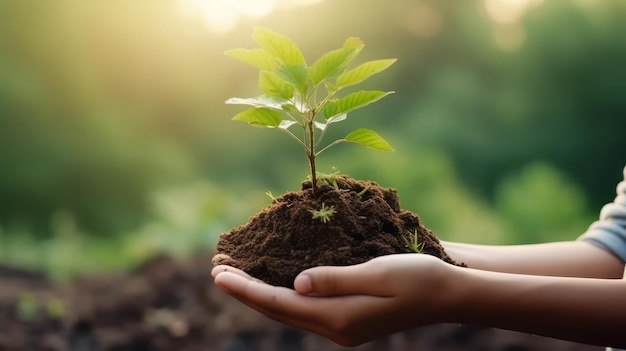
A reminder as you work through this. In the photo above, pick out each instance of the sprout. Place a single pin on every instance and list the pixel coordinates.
(296, 95)
(412, 242)
(324, 213)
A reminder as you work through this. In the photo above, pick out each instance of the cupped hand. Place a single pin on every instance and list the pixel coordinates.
(351, 305)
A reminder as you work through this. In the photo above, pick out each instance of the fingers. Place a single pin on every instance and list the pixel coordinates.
(327, 281)
(282, 304)
(338, 318)
(362, 279)
(223, 268)
(255, 292)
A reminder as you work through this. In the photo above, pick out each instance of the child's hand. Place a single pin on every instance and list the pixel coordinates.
(353, 304)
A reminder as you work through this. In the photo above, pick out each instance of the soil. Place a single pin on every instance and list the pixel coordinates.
(284, 239)
(171, 304)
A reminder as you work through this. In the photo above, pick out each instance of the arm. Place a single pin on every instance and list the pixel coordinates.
(583, 310)
(599, 253)
(567, 259)
(355, 304)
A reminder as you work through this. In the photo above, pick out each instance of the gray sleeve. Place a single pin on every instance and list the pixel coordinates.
(609, 232)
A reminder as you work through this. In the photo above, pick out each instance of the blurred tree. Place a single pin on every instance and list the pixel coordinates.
(69, 141)
(101, 103)
(542, 205)
(496, 100)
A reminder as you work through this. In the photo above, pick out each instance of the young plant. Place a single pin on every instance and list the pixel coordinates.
(412, 242)
(324, 213)
(306, 97)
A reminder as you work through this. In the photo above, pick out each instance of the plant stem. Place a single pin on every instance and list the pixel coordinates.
(311, 153)
(330, 145)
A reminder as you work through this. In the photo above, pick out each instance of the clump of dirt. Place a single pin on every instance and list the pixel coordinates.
(284, 239)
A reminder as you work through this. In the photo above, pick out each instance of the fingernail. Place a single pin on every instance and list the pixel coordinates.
(303, 284)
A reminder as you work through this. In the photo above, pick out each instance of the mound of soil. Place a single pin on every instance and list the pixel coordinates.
(284, 239)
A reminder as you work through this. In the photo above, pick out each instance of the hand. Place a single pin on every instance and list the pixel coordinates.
(351, 305)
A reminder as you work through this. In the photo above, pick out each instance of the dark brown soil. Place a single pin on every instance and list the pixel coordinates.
(284, 239)
(172, 304)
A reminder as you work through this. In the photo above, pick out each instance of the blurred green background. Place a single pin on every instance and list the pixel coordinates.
(115, 143)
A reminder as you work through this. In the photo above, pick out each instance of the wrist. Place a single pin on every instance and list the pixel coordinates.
(472, 255)
(456, 299)
(449, 296)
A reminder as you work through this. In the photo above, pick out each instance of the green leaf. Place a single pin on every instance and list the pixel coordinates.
(285, 124)
(273, 85)
(362, 72)
(260, 117)
(319, 125)
(338, 118)
(352, 102)
(291, 64)
(270, 102)
(335, 62)
(369, 138)
(329, 65)
(258, 58)
(296, 75)
(278, 45)
(354, 43)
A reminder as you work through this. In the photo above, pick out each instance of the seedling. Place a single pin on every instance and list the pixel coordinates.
(362, 192)
(293, 93)
(412, 242)
(55, 308)
(27, 306)
(270, 195)
(324, 213)
(329, 178)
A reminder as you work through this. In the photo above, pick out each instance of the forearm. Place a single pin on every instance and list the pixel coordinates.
(577, 309)
(572, 259)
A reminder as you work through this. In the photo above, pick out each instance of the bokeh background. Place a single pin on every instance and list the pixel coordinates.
(508, 120)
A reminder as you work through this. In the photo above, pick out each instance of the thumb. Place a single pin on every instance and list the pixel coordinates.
(337, 281)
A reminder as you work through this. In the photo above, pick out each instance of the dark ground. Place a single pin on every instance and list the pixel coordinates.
(170, 304)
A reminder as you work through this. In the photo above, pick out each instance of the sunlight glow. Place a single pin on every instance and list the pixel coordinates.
(424, 21)
(510, 37)
(221, 16)
(509, 32)
(509, 11)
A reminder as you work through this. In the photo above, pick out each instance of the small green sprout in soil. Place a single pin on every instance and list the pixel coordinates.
(362, 192)
(412, 242)
(306, 96)
(27, 306)
(55, 308)
(270, 195)
(329, 178)
(324, 213)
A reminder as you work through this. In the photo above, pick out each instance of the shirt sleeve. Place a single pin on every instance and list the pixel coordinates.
(609, 232)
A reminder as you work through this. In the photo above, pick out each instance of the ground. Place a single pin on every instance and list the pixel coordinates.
(172, 304)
